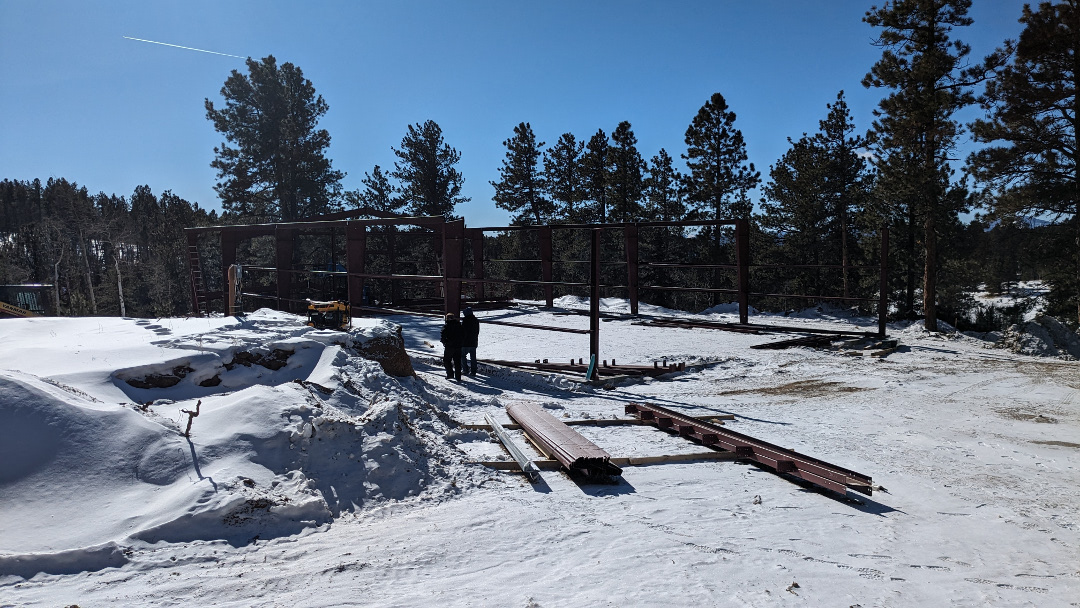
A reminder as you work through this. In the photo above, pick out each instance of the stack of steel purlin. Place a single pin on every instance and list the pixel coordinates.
(558, 441)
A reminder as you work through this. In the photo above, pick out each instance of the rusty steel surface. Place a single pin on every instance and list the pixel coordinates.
(781, 460)
(558, 441)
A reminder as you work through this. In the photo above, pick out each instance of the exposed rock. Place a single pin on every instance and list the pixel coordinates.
(389, 351)
(214, 381)
(161, 380)
(275, 360)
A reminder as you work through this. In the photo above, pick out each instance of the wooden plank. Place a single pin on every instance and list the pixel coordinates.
(510, 465)
(647, 460)
(550, 464)
(598, 422)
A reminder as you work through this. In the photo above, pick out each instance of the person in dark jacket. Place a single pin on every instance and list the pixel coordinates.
(451, 341)
(470, 328)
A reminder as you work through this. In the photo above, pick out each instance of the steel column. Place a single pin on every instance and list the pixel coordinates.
(594, 296)
(631, 234)
(453, 253)
(545, 263)
(285, 239)
(742, 260)
(355, 254)
(883, 296)
(477, 238)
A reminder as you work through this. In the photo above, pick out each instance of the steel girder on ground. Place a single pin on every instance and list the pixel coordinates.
(781, 460)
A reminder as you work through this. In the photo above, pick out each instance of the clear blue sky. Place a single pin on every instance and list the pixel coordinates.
(79, 101)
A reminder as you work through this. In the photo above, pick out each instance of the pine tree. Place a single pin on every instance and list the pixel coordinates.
(520, 189)
(564, 177)
(664, 202)
(814, 191)
(1032, 166)
(273, 163)
(430, 185)
(923, 68)
(663, 196)
(625, 179)
(378, 193)
(595, 163)
(719, 177)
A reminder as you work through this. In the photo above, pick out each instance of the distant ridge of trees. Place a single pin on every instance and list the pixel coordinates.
(105, 254)
(824, 200)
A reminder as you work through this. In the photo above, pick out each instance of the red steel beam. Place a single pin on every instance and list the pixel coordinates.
(558, 441)
(781, 460)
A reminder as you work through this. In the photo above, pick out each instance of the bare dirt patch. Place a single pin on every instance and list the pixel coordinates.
(814, 387)
(1026, 415)
(1064, 444)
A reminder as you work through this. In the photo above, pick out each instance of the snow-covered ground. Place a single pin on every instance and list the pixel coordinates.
(1032, 293)
(326, 482)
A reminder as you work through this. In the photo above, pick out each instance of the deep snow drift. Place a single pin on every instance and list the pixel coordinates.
(314, 478)
(279, 445)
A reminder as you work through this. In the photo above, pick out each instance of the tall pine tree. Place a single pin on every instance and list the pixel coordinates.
(624, 179)
(719, 176)
(915, 129)
(379, 194)
(662, 190)
(1032, 165)
(430, 184)
(595, 163)
(816, 188)
(564, 177)
(520, 189)
(273, 165)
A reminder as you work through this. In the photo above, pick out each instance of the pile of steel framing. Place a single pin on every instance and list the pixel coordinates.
(563, 446)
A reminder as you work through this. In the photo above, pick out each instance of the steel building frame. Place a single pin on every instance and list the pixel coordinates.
(449, 243)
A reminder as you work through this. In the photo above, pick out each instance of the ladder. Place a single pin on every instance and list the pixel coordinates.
(198, 284)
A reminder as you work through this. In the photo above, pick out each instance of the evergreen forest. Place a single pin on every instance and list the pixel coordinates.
(1008, 212)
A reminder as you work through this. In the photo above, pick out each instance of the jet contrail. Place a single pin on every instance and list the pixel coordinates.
(184, 47)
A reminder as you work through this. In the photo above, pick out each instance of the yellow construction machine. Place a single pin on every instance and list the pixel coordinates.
(329, 315)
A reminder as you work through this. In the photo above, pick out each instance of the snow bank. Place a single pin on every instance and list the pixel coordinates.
(1044, 336)
(295, 425)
